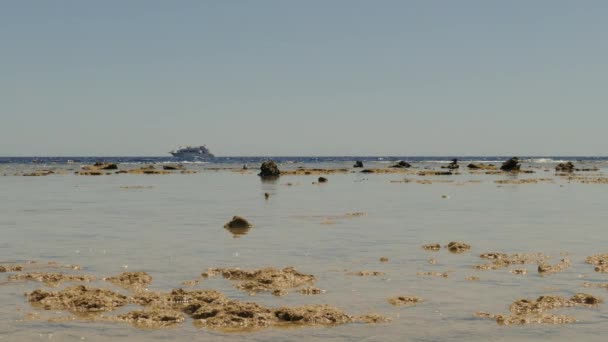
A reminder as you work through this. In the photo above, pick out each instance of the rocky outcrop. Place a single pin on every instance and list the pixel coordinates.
(402, 165)
(358, 163)
(511, 165)
(269, 169)
(565, 167)
(238, 222)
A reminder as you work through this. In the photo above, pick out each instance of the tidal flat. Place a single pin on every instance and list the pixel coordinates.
(378, 253)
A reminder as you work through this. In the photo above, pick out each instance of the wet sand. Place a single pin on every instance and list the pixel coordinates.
(495, 239)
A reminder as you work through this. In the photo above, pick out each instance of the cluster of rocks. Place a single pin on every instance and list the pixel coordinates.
(526, 311)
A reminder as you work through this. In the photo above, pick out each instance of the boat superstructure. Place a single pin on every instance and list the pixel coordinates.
(192, 152)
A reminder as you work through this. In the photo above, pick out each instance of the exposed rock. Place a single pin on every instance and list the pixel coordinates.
(266, 195)
(174, 167)
(545, 269)
(51, 279)
(525, 311)
(404, 300)
(38, 173)
(269, 169)
(480, 166)
(565, 167)
(383, 259)
(432, 247)
(266, 279)
(402, 165)
(238, 222)
(77, 299)
(585, 299)
(511, 165)
(231, 315)
(600, 261)
(313, 314)
(458, 247)
(358, 163)
(322, 180)
(452, 166)
(434, 173)
(131, 279)
(502, 260)
(105, 166)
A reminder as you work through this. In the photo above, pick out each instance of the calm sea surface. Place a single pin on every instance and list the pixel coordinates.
(172, 228)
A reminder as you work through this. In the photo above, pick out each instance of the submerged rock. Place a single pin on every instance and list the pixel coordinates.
(269, 169)
(373, 318)
(131, 279)
(511, 165)
(358, 163)
(51, 279)
(153, 318)
(432, 247)
(404, 300)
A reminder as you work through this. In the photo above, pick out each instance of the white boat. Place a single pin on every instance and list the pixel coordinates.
(192, 152)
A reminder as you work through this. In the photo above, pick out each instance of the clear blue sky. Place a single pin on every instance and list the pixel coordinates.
(310, 77)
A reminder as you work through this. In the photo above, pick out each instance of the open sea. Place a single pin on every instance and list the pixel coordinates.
(172, 227)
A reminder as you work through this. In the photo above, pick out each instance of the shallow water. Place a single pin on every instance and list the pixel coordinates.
(174, 231)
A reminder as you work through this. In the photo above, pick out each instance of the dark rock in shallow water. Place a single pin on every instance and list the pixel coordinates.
(402, 164)
(269, 169)
(238, 222)
(322, 180)
(173, 167)
(565, 167)
(511, 165)
(358, 163)
(106, 166)
(452, 166)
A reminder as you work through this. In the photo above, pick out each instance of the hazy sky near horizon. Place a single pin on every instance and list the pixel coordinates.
(314, 77)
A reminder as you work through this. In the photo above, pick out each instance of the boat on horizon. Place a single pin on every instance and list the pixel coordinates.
(192, 153)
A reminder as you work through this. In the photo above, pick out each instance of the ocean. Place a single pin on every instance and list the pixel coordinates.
(172, 227)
